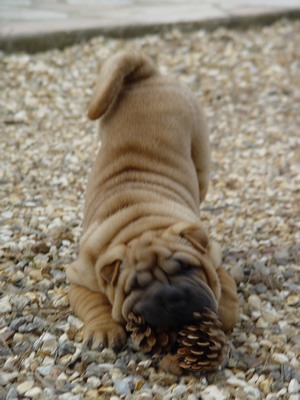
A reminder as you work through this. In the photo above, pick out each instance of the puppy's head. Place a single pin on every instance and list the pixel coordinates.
(165, 277)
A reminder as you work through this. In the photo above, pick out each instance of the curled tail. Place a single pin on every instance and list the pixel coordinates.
(118, 70)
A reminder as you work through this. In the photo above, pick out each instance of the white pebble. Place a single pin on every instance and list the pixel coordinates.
(34, 393)
(261, 323)
(7, 214)
(144, 396)
(192, 397)
(237, 273)
(44, 370)
(294, 396)
(73, 321)
(70, 396)
(294, 386)
(18, 276)
(281, 392)
(24, 387)
(179, 390)
(213, 392)
(7, 377)
(254, 302)
(280, 358)
(93, 382)
(252, 392)
(145, 363)
(236, 382)
(122, 386)
(5, 305)
(49, 343)
(62, 377)
(28, 361)
(270, 315)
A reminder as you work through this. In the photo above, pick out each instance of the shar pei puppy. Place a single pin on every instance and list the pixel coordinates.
(144, 248)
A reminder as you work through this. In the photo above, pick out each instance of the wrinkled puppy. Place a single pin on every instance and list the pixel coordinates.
(143, 247)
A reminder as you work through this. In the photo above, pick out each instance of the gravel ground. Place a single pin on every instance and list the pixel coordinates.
(249, 84)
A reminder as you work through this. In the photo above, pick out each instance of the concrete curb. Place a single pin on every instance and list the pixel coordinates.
(45, 41)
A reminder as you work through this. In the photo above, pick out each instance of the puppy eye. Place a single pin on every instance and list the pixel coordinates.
(131, 283)
(134, 283)
(185, 265)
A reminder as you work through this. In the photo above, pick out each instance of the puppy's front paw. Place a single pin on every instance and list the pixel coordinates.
(169, 364)
(99, 334)
(100, 330)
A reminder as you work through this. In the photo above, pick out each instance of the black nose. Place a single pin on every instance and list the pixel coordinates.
(169, 307)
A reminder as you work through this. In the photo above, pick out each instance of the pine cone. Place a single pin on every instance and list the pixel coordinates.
(201, 344)
(198, 346)
(149, 339)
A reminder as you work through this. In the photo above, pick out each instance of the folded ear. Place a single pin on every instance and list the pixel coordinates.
(115, 72)
(110, 272)
(208, 262)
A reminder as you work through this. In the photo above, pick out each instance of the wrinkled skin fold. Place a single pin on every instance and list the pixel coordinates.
(143, 247)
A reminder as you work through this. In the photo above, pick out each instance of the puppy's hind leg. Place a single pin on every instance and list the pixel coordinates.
(100, 330)
(229, 301)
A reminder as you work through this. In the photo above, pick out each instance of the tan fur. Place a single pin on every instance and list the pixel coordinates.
(143, 196)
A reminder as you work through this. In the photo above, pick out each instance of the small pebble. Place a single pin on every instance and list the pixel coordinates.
(44, 370)
(12, 394)
(280, 358)
(261, 323)
(294, 386)
(233, 381)
(252, 393)
(213, 392)
(192, 397)
(282, 392)
(144, 396)
(294, 397)
(281, 257)
(145, 364)
(265, 385)
(24, 387)
(7, 214)
(260, 288)
(237, 273)
(17, 322)
(124, 386)
(7, 377)
(293, 300)
(277, 386)
(96, 369)
(76, 322)
(34, 393)
(3, 393)
(5, 306)
(270, 316)
(70, 396)
(179, 390)
(254, 302)
(93, 382)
